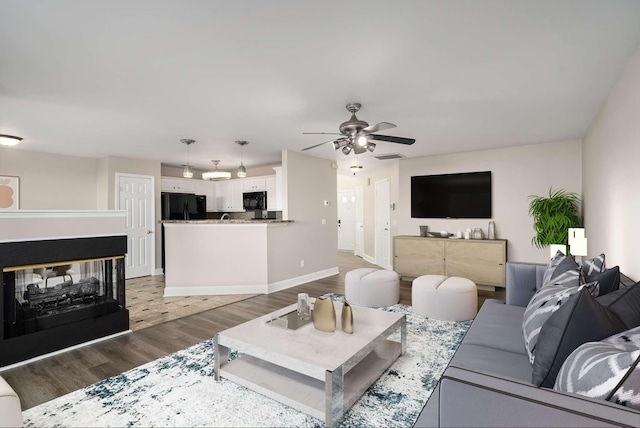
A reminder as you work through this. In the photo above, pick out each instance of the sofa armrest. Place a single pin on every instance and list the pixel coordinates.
(471, 398)
(523, 279)
(10, 410)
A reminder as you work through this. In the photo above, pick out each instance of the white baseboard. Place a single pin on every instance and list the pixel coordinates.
(214, 290)
(369, 259)
(70, 348)
(292, 282)
(159, 272)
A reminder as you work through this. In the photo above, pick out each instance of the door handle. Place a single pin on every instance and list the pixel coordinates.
(149, 232)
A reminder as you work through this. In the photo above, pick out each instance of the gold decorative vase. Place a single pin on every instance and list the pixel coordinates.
(347, 318)
(324, 314)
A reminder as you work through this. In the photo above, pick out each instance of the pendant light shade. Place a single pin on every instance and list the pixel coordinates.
(242, 171)
(9, 140)
(355, 168)
(216, 175)
(187, 172)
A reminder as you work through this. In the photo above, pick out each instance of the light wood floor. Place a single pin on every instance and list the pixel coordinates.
(55, 376)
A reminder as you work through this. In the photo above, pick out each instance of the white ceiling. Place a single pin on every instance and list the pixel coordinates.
(131, 78)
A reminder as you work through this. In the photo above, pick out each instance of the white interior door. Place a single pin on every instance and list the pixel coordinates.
(359, 221)
(135, 195)
(347, 220)
(383, 234)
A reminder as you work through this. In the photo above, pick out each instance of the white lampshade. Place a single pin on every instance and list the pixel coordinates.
(216, 175)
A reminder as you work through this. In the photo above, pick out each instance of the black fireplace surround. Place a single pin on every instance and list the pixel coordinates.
(39, 317)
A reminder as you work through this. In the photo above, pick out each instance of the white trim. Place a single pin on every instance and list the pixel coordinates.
(19, 214)
(93, 235)
(159, 271)
(70, 348)
(369, 259)
(214, 290)
(292, 282)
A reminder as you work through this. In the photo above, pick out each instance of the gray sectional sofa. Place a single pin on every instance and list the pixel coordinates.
(488, 381)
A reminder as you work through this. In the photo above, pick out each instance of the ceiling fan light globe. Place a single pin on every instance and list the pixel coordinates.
(371, 146)
(346, 149)
(362, 140)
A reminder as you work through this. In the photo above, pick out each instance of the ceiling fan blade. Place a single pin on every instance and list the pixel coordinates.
(378, 127)
(391, 139)
(321, 133)
(318, 145)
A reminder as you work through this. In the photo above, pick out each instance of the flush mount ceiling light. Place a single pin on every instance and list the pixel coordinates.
(9, 140)
(216, 175)
(187, 172)
(242, 172)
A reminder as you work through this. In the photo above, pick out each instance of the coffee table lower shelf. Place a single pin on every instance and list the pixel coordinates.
(305, 393)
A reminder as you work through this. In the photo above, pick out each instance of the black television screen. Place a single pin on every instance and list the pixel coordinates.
(464, 195)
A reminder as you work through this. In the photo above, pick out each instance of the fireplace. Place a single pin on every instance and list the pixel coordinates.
(59, 293)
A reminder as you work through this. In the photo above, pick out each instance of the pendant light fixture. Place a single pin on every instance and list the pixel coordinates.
(216, 175)
(9, 140)
(242, 172)
(355, 168)
(187, 172)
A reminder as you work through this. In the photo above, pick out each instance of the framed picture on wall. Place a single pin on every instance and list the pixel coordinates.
(9, 192)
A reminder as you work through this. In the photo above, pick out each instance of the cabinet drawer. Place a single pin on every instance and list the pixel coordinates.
(481, 262)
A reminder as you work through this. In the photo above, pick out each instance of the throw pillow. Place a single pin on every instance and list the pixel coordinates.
(608, 370)
(551, 267)
(609, 280)
(625, 304)
(591, 266)
(581, 319)
(546, 301)
(565, 271)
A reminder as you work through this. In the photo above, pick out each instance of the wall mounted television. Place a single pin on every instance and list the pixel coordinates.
(462, 195)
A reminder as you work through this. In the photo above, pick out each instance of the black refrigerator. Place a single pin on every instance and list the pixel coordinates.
(182, 206)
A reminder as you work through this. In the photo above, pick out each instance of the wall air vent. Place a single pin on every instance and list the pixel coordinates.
(388, 156)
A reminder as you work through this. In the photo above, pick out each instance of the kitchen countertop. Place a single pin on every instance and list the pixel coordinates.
(229, 221)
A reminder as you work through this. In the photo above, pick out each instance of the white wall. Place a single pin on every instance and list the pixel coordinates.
(611, 173)
(49, 181)
(175, 171)
(516, 173)
(307, 183)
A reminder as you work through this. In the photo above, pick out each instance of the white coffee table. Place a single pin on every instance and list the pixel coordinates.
(321, 374)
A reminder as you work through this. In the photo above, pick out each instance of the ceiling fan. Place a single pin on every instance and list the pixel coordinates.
(357, 135)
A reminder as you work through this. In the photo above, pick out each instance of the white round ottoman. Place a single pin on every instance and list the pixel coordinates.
(372, 287)
(444, 298)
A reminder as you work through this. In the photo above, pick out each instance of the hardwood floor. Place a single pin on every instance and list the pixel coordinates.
(55, 376)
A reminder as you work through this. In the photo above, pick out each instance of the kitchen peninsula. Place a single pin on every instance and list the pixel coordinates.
(209, 257)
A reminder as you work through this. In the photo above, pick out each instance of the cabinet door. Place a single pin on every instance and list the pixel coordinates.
(168, 184)
(235, 195)
(186, 185)
(482, 262)
(418, 256)
(271, 194)
(207, 188)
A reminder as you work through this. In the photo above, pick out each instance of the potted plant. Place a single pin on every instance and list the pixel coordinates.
(553, 216)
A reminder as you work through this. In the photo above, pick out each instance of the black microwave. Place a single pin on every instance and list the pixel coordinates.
(254, 201)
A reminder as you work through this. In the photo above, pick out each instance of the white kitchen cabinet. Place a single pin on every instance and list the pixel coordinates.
(177, 185)
(207, 188)
(271, 193)
(230, 195)
(254, 184)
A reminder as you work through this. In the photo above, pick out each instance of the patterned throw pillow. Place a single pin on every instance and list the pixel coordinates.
(545, 302)
(608, 370)
(593, 266)
(551, 267)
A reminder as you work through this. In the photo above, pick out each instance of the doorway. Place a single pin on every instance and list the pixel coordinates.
(382, 232)
(135, 195)
(359, 221)
(347, 220)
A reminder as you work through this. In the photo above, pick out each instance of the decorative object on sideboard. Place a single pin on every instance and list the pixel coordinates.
(467, 233)
(478, 233)
(492, 230)
(9, 192)
(9, 140)
(553, 216)
(242, 172)
(216, 175)
(444, 234)
(304, 306)
(187, 172)
(424, 230)
(347, 318)
(324, 314)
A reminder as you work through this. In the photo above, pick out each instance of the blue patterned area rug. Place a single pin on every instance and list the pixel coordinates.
(180, 390)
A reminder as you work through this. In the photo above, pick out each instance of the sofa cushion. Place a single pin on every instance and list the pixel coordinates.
(593, 266)
(546, 301)
(562, 270)
(608, 370)
(498, 326)
(608, 280)
(490, 360)
(581, 319)
(625, 303)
